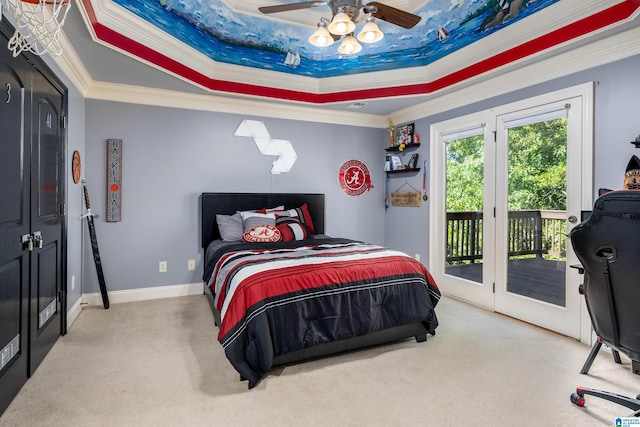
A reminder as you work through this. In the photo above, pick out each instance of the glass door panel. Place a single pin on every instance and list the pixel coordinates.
(537, 196)
(464, 206)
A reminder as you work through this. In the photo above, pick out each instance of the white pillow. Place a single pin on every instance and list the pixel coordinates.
(249, 214)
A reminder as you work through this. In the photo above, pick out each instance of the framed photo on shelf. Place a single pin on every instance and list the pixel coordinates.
(404, 134)
(413, 161)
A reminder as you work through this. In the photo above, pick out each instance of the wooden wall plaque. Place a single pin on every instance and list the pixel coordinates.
(114, 180)
(405, 198)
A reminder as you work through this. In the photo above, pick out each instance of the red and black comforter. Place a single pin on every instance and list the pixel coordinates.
(275, 298)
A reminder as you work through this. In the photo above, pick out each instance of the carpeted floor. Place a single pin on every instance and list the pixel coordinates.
(157, 363)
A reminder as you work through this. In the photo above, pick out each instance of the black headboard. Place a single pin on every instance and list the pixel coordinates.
(229, 203)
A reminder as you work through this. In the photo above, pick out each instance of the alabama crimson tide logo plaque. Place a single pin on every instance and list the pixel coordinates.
(354, 178)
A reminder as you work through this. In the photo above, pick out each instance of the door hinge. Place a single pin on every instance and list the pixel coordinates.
(494, 211)
(495, 136)
(63, 122)
(494, 287)
(63, 209)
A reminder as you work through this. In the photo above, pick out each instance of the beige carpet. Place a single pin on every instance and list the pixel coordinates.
(157, 363)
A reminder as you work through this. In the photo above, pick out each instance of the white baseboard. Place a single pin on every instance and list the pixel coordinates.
(74, 312)
(144, 294)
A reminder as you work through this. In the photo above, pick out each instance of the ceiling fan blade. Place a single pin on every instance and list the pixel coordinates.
(393, 15)
(290, 6)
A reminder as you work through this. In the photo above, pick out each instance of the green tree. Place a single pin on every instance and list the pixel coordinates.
(537, 169)
(537, 166)
(465, 174)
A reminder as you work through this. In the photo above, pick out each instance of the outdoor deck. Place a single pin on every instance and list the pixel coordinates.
(537, 278)
(536, 250)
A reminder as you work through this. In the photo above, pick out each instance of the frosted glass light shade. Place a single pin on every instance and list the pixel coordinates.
(350, 45)
(341, 24)
(370, 33)
(321, 37)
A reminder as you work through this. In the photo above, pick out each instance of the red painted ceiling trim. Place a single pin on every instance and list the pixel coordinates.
(569, 32)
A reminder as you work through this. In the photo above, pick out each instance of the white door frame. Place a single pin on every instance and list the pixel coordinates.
(484, 295)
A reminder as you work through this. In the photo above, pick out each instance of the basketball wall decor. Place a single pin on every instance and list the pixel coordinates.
(114, 180)
(354, 178)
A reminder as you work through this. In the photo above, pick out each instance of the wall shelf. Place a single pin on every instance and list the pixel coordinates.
(406, 147)
(402, 171)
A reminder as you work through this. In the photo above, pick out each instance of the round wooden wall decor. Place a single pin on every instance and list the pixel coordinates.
(76, 167)
(354, 178)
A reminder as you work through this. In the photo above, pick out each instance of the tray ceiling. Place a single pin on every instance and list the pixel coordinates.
(230, 47)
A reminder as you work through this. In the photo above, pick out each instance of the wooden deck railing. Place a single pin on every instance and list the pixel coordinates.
(530, 233)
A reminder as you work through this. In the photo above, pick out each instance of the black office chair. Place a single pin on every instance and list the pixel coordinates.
(608, 247)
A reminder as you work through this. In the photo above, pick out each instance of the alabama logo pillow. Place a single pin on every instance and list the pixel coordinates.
(262, 233)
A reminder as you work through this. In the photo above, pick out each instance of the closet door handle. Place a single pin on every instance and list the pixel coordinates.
(37, 239)
(27, 242)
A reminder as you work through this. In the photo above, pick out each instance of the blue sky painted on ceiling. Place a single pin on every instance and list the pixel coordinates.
(212, 28)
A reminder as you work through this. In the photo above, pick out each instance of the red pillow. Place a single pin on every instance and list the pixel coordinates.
(302, 214)
(262, 233)
(307, 220)
(293, 231)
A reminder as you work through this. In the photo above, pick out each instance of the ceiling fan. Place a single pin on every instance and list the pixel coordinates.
(345, 16)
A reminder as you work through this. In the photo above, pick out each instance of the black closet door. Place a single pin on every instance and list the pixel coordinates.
(47, 217)
(14, 224)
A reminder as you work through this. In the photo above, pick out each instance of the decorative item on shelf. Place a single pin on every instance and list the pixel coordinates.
(636, 142)
(405, 198)
(404, 134)
(390, 129)
(416, 138)
(392, 163)
(413, 162)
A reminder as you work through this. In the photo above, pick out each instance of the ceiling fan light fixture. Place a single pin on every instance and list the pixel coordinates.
(370, 32)
(350, 45)
(321, 37)
(341, 24)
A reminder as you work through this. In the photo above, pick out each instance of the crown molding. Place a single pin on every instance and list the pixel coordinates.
(225, 104)
(536, 71)
(72, 67)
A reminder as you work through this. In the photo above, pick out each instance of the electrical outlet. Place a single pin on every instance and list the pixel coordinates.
(73, 281)
(163, 266)
(191, 264)
(417, 257)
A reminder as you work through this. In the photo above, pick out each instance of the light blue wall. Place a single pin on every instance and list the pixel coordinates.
(617, 122)
(170, 156)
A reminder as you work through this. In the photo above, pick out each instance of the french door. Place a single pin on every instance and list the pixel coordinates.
(513, 185)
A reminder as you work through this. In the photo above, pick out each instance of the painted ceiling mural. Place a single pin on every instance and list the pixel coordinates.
(218, 32)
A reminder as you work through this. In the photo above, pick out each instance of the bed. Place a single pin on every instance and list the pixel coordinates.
(307, 295)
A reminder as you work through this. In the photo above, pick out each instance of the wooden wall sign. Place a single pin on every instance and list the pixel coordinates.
(114, 180)
(405, 198)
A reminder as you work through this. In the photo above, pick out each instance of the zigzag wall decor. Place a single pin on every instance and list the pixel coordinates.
(267, 146)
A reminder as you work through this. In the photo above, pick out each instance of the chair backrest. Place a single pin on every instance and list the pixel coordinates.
(608, 247)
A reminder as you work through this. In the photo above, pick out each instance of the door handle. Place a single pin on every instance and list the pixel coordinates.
(37, 239)
(573, 219)
(27, 242)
